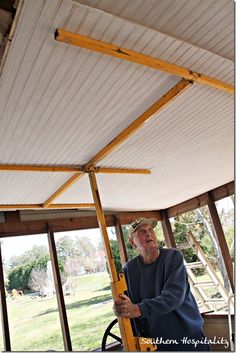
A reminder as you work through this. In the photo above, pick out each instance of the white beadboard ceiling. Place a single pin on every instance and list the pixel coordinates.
(61, 104)
(29, 187)
(208, 24)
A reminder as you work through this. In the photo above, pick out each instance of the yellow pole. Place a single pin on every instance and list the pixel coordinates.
(130, 343)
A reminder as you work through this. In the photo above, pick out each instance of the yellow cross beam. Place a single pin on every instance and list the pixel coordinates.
(161, 103)
(39, 168)
(131, 129)
(117, 170)
(62, 169)
(62, 189)
(130, 55)
(40, 206)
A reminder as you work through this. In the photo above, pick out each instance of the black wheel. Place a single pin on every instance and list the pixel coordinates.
(109, 333)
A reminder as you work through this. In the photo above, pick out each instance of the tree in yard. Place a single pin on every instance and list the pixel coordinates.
(100, 260)
(72, 269)
(116, 254)
(66, 248)
(88, 264)
(73, 266)
(181, 226)
(33, 254)
(84, 247)
(76, 252)
(38, 279)
(19, 276)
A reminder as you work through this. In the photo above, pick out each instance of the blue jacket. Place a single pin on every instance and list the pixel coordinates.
(169, 310)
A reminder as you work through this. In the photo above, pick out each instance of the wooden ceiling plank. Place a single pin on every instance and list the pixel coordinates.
(155, 63)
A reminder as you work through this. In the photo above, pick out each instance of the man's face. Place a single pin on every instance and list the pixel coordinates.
(144, 238)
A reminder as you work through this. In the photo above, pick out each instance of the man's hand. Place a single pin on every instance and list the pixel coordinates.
(125, 308)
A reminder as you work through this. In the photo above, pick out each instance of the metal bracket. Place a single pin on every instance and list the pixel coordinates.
(119, 286)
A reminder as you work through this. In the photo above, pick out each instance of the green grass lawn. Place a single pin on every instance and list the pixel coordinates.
(35, 326)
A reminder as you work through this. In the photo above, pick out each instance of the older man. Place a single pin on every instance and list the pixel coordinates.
(160, 301)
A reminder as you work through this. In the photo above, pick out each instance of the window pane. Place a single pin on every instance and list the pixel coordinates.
(225, 208)
(198, 222)
(32, 307)
(86, 287)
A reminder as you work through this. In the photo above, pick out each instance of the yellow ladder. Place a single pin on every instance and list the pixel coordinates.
(205, 303)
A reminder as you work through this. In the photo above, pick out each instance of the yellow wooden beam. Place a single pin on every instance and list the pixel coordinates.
(118, 286)
(62, 189)
(40, 206)
(20, 206)
(122, 53)
(102, 225)
(75, 177)
(136, 124)
(35, 168)
(70, 205)
(118, 170)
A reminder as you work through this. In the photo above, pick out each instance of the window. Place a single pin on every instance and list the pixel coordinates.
(86, 287)
(32, 307)
(225, 209)
(198, 222)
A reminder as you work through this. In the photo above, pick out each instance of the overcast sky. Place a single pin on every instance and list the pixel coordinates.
(18, 245)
